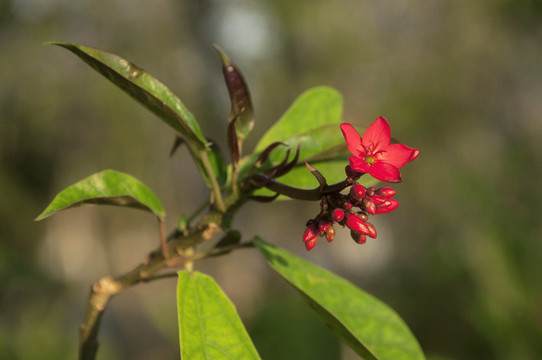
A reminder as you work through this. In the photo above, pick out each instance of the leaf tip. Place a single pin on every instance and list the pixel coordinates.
(58, 43)
(225, 59)
(44, 214)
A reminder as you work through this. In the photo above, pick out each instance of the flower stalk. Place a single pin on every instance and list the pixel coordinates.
(296, 193)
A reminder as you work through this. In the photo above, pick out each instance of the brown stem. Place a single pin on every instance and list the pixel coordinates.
(100, 295)
(103, 290)
(295, 193)
(200, 256)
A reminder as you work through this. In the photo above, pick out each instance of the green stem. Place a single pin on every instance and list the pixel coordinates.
(214, 184)
(234, 170)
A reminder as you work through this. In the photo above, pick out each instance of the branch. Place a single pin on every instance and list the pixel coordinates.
(100, 295)
(162, 257)
(200, 256)
(260, 180)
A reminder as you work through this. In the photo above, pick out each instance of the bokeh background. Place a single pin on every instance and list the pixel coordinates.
(460, 260)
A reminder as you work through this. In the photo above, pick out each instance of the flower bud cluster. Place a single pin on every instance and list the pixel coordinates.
(315, 228)
(352, 210)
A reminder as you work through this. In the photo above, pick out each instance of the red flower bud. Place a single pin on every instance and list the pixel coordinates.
(311, 244)
(372, 230)
(378, 199)
(359, 238)
(386, 192)
(338, 215)
(386, 208)
(356, 224)
(351, 173)
(369, 205)
(330, 235)
(311, 232)
(362, 216)
(348, 205)
(357, 191)
(324, 225)
(383, 205)
(371, 191)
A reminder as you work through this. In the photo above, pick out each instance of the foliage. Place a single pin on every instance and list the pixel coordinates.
(209, 326)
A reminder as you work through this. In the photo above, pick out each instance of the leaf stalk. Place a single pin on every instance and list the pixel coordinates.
(214, 183)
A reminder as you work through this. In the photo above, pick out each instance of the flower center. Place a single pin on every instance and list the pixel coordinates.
(370, 153)
(370, 160)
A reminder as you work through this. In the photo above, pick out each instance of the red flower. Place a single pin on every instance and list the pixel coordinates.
(373, 153)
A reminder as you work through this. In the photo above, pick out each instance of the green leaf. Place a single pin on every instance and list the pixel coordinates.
(209, 326)
(108, 187)
(313, 120)
(371, 328)
(144, 88)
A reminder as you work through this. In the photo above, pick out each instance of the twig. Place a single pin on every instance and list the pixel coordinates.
(295, 193)
(200, 256)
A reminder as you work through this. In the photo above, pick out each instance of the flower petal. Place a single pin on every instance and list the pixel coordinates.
(415, 154)
(359, 165)
(397, 155)
(353, 140)
(377, 136)
(385, 172)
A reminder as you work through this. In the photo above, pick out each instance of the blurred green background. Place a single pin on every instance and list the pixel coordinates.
(460, 260)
